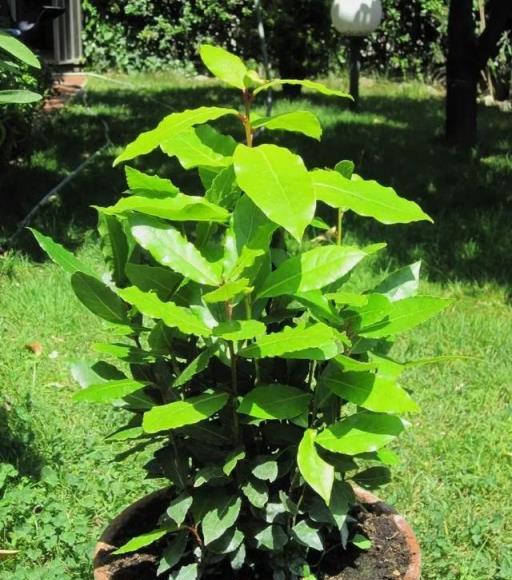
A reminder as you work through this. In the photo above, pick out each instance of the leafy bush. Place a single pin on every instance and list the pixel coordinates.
(244, 353)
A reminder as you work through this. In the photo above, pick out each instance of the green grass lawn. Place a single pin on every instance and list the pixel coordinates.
(60, 483)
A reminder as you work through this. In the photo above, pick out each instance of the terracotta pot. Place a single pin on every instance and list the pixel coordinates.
(107, 567)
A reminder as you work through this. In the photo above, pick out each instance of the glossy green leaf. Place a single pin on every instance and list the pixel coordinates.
(199, 364)
(178, 208)
(308, 535)
(317, 336)
(368, 390)
(173, 316)
(232, 461)
(272, 538)
(224, 65)
(141, 183)
(58, 254)
(99, 298)
(266, 469)
(17, 49)
(178, 508)
(188, 572)
(171, 126)
(373, 477)
(256, 491)
(223, 190)
(406, 314)
(181, 413)
(348, 298)
(126, 434)
(173, 552)
(366, 198)
(101, 372)
(360, 433)
(217, 520)
(345, 363)
(376, 309)
(345, 168)
(171, 249)
(278, 182)
(228, 291)
(361, 542)
(312, 85)
(311, 270)
(192, 151)
(342, 500)
(115, 247)
(274, 402)
(144, 540)
(18, 96)
(228, 542)
(239, 329)
(295, 121)
(153, 279)
(317, 473)
(124, 352)
(109, 391)
(401, 284)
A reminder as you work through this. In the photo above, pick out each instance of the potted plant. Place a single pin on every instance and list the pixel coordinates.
(259, 375)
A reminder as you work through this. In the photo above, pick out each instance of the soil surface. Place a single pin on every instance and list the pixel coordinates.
(387, 559)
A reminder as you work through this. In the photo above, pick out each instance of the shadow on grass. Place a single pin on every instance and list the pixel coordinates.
(396, 138)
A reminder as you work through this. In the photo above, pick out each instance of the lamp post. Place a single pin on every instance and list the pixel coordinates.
(356, 19)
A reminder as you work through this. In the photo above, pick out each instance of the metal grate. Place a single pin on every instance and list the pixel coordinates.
(67, 33)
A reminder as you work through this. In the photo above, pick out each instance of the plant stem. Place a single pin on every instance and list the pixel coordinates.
(234, 376)
(339, 231)
(246, 119)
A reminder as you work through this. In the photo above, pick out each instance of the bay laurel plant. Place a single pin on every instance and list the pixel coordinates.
(263, 384)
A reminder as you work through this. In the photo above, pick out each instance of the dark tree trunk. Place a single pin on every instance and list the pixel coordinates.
(462, 75)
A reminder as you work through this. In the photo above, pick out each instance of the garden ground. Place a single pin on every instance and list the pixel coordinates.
(59, 483)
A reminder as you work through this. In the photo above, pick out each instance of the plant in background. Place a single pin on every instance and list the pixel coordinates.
(261, 377)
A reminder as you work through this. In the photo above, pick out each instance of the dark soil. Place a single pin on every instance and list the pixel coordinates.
(387, 559)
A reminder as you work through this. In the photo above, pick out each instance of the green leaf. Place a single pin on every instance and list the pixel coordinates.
(196, 366)
(192, 151)
(314, 86)
(370, 391)
(401, 284)
(256, 491)
(361, 542)
(218, 519)
(109, 391)
(144, 540)
(308, 536)
(266, 470)
(360, 433)
(178, 208)
(171, 126)
(406, 314)
(375, 310)
(188, 572)
(278, 182)
(141, 183)
(349, 298)
(228, 291)
(224, 65)
(317, 473)
(153, 279)
(223, 188)
(239, 329)
(228, 542)
(232, 460)
(207, 474)
(173, 553)
(318, 337)
(296, 121)
(345, 168)
(344, 363)
(173, 316)
(18, 96)
(126, 434)
(99, 298)
(62, 257)
(373, 477)
(183, 413)
(311, 270)
(124, 352)
(101, 372)
(272, 538)
(366, 198)
(171, 249)
(178, 508)
(342, 500)
(115, 247)
(17, 49)
(274, 402)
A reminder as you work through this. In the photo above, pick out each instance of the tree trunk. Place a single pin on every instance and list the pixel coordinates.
(462, 75)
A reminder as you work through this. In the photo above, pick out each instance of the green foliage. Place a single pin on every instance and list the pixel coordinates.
(216, 367)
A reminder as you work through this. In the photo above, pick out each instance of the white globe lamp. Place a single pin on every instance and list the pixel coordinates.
(356, 19)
